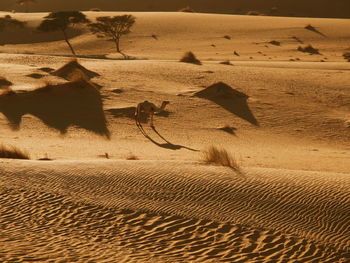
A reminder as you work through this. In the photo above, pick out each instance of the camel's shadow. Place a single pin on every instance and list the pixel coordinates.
(167, 144)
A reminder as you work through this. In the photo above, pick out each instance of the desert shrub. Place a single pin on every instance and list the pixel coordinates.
(254, 13)
(189, 57)
(227, 37)
(346, 56)
(186, 9)
(226, 62)
(132, 157)
(308, 49)
(219, 156)
(12, 152)
(275, 43)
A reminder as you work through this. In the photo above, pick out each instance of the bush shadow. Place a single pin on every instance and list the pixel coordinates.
(59, 106)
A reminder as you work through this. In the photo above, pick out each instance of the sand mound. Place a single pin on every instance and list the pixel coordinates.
(129, 211)
(230, 99)
(59, 106)
(73, 70)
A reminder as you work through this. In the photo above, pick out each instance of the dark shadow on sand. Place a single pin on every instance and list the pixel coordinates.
(313, 29)
(230, 99)
(59, 106)
(29, 35)
(167, 144)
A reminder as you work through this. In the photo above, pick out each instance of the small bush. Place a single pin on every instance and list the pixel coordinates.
(220, 157)
(12, 152)
(186, 9)
(254, 13)
(274, 42)
(309, 49)
(132, 157)
(189, 57)
(346, 56)
(226, 62)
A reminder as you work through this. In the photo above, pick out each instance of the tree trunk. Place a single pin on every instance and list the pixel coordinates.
(116, 41)
(67, 41)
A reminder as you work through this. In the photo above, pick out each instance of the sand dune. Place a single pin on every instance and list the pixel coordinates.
(283, 114)
(160, 210)
(315, 8)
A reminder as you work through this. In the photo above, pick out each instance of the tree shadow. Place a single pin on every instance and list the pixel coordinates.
(29, 35)
(167, 144)
(59, 106)
(129, 112)
(230, 99)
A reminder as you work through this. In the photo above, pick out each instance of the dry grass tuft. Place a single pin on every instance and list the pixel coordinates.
(226, 62)
(346, 56)
(189, 57)
(309, 49)
(132, 157)
(219, 156)
(12, 152)
(186, 9)
(95, 9)
(254, 13)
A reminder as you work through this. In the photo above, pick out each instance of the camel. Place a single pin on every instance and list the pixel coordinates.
(148, 108)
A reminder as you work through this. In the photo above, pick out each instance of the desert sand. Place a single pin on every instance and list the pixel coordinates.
(113, 192)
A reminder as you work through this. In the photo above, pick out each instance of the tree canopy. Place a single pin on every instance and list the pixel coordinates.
(61, 20)
(112, 27)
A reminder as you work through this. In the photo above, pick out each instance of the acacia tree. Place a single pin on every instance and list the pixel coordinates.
(8, 21)
(25, 3)
(113, 27)
(62, 21)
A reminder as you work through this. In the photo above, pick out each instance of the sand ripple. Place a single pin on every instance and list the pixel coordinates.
(139, 211)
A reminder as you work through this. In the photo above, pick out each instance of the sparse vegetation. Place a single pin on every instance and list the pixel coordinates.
(226, 62)
(189, 57)
(227, 37)
(46, 158)
(254, 13)
(275, 43)
(113, 27)
(95, 9)
(12, 152)
(132, 157)
(309, 49)
(219, 156)
(186, 9)
(346, 56)
(62, 21)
